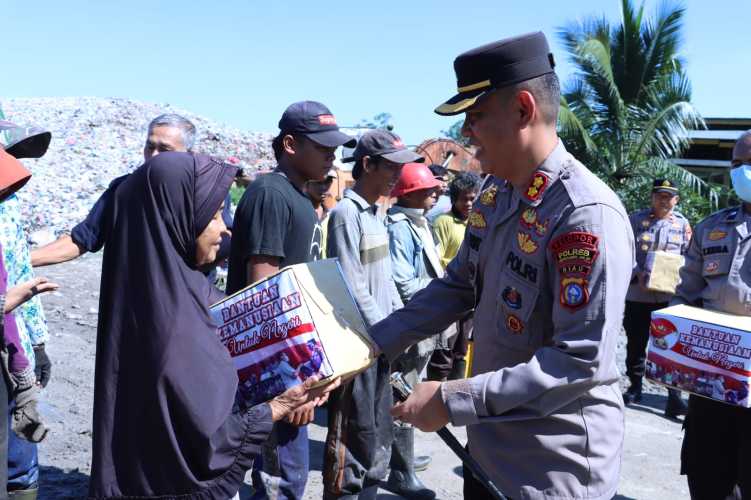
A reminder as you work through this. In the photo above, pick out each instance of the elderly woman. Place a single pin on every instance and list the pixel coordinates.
(164, 423)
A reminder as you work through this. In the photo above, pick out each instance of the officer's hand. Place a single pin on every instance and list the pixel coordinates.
(424, 408)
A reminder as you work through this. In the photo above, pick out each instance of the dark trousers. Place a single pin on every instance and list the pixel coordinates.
(23, 462)
(281, 471)
(716, 452)
(474, 489)
(636, 320)
(442, 360)
(358, 442)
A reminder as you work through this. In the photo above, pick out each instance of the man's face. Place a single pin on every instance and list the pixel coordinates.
(463, 204)
(161, 139)
(310, 159)
(489, 127)
(663, 203)
(742, 151)
(319, 190)
(421, 199)
(382, 174)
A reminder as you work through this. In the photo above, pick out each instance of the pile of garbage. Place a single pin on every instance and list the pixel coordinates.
(95, 140)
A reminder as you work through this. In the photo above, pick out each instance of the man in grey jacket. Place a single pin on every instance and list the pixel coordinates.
(546, 264)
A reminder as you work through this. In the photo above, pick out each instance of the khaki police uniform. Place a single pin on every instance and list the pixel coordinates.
(671, 234)
(547, 269)
(716, 451)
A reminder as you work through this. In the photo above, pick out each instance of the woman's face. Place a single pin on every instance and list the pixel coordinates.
(207, 244)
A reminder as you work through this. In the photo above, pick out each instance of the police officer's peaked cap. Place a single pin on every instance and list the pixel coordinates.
(664, 186)
(495, 65)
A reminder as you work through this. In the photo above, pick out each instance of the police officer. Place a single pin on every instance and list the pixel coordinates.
(658, 228)
(716, 453)
(546, 264)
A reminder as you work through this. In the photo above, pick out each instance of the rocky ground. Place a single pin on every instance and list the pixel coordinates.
(652, 447)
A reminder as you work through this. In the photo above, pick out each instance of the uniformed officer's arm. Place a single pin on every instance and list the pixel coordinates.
(343, 241)
(635, 220)
(692, 282)
(402, 250)
(589, 261)
(432, 309)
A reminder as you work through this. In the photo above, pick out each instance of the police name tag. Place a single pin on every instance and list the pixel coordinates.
(702, 352)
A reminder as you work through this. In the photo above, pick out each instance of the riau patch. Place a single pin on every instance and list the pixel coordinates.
(514, 324)
(717, 234)
(537, 186)
(522, 269)
(715, 250)
(711, 267)
(477, 220)
(526, 243)
(576, 248)
(488, 196)
(574, 292)
(511, 297)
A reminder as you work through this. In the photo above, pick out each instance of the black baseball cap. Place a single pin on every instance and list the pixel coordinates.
(383, 143)
(25, 142)
(314, 121)
(496, 65)
(664, 186)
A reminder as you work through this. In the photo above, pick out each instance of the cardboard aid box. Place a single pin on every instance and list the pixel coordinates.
(707, 353)
(299, 322)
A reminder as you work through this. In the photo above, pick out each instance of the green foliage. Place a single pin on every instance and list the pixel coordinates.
(455, 132)
(628, 109)
(381, 120)
(235, 193)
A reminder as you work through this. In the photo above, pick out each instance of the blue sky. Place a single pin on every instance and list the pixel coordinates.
(242, 62)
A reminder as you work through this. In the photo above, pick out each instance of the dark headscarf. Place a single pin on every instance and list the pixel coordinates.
(165, 385)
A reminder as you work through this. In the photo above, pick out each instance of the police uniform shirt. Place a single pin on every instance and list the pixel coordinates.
(671, 234)
(547, 268)
(717, 272)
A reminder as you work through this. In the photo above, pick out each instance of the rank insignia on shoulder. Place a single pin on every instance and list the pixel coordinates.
(514, 324)
(511, 297)
(526, 243)
(717, 234)
(477, 220)
(538, 185)
(574, 292)
(488, 196)
(528, 217)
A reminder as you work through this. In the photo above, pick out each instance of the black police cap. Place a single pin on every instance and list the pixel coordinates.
(496, 65)
(664, 186)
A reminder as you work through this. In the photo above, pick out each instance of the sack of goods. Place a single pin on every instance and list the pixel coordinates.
(706, 353)
(299, 322)
(664, 274)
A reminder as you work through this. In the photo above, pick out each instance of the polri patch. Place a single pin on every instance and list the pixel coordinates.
(574, 293)
(537, 186)
(575, 248)
(514, 324)
(522, 269)
(526, 243)
(511, 297)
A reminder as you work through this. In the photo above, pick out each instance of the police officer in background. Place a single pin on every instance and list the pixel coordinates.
(716, 453)
(659, 228)
(546, 264)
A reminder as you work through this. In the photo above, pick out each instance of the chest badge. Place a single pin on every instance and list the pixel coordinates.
(487, 197)
(717, 234)
(528, 218)
(477, 220)
(538, 185)
(511, 297)
(711, 267)
(514, 324)
(526, 243)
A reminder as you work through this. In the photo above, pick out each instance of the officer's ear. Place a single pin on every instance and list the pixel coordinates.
(526, 108)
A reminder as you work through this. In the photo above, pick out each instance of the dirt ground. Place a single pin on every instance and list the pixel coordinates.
(650, 461)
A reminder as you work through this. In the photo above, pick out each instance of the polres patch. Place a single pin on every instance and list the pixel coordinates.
(575, 250)
(574, 292)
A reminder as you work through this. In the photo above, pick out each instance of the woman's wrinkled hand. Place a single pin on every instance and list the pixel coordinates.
(296, 404)
(22, 292)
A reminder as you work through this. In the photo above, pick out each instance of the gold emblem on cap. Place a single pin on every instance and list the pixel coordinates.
(666, 183)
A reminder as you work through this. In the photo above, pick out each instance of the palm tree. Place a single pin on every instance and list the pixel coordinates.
(628, 108)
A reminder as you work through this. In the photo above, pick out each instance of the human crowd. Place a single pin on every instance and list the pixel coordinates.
(499, 298)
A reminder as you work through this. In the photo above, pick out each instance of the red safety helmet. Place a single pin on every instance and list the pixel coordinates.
(13, 175)
(414, 177)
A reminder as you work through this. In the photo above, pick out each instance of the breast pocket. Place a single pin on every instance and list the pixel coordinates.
(515, 305)
(374, 247)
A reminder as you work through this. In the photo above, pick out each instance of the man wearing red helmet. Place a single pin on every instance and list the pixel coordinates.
(415, 262)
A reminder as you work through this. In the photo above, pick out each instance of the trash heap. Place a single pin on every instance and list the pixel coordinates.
(95, 140)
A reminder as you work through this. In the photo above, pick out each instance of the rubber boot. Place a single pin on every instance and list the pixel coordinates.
(675, 405)
(633, 393)
(402, 479)
(458, 369)
(27, 494)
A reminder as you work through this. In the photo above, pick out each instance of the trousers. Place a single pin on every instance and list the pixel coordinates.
(636, 319)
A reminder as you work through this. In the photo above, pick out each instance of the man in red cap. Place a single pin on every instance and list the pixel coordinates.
(415, 263)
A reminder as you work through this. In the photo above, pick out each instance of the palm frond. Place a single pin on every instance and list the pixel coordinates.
(662, 40)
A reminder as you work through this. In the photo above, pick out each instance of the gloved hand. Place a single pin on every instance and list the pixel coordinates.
(43, 367)
(27, 423)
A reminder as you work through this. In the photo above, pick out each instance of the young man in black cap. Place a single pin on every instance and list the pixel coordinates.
(358, 444)
(276, 226)
(656, 229)
(546, 239)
